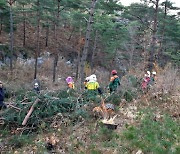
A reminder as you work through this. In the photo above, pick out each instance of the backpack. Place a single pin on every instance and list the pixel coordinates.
(114, 84)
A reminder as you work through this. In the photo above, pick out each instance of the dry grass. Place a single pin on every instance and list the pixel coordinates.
(23, 76)
(168, 81)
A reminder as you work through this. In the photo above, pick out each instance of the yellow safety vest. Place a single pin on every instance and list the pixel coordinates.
(92, 85)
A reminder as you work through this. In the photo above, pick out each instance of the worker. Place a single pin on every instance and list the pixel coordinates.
(114, 81)
(145, 81)
(70, 82)
(153, 78)
(36, 87)
(92, 85)
(2, 104)
(86, 81)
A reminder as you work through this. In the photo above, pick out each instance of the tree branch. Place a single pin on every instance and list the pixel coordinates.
(30, 112)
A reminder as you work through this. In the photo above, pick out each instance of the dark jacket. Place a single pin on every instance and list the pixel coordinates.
(37, 90)
(1, 95)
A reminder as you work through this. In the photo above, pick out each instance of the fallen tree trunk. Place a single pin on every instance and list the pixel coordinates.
(30, 112)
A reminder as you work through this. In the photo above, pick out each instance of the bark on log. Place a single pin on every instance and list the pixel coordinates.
(30, 112)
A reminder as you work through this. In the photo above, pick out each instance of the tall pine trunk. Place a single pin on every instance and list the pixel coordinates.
(11, 35)
(1, 25)
(56, 25)
(38, 47)
(79, 50)
(55, 66)
(162, 42)
(153, 42)
(24, 27)
(78, 61)
(47, 35)
(93, 51)
(87, 38)
(55, 53)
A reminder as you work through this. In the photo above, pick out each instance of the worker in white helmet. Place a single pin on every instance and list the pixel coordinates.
(36, 87)
(92, 85)
(153, 78)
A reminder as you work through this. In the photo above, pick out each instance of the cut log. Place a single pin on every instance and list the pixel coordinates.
(30, 112)
(111, 126)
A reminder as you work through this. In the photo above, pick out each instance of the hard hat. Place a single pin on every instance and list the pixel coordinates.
(93, 78)
(69, 79)
(36, 84)
(148, 72)
(154, 73)
(114, 72)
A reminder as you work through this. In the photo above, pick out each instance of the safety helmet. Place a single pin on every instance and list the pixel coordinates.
(148, 72)
(154, 73)
(114, 72)
(69, 79)
(36, 84)
(93, 78)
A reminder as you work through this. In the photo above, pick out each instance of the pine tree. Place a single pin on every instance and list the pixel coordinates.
(87, 38)
(4, 15)
(11, 44)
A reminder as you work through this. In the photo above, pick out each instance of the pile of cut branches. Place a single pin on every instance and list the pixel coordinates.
(31, 109)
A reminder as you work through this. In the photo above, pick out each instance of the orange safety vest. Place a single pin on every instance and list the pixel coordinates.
(71, 85)
(113, 77)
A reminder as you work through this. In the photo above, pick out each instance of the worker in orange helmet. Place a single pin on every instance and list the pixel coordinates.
(114, 81)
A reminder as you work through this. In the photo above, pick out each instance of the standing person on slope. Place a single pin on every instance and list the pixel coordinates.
(114, 81)
(2, 105)
(70, 82)
(92, 85)
(145, 82)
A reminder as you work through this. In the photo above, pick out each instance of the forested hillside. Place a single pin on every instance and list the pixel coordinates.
(89, 76)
